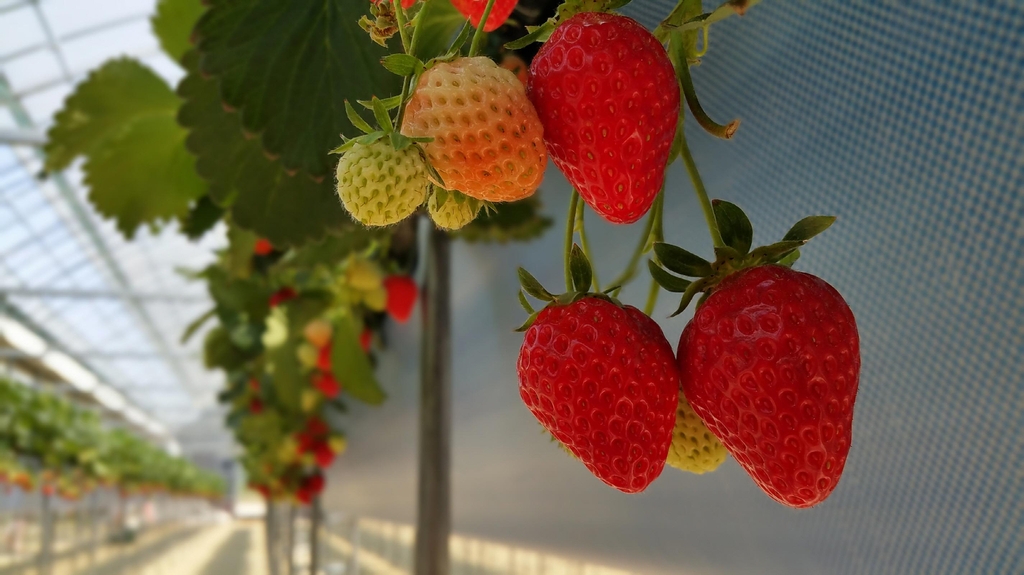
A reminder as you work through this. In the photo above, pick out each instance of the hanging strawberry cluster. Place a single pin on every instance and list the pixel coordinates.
(766, 371)
(295, 337)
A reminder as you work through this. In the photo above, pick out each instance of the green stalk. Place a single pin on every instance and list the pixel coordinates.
(652, 297)
(410, 49)
(657, 235)
(474, 47)
(634, 260)
(581, 226)
(702, 194)
(690, 93)
(569, 226)
(400, 18)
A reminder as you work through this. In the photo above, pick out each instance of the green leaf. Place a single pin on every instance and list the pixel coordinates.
(241, 244)
(734, 225)
(196, 324)
(688, 295)
(356, 119)
(580, 270)
(680, 261)
(533, 287)
(113, 97)
(144, 174)
(464, 35)
(260, 194)
(511, 221)
(201, 218)
(438, 20)
(288, 67)
(352, 366)
(666, 280)
(809, 227)
(402, 64)
(172, 24)
(220, 352)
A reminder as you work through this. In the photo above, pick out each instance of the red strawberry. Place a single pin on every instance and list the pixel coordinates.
(256, 406)
(365, 339)
(474, 10)
(323, 358)
(608, 97)
(327, 384)
(402, 294)
(324, 455)
(602, 379)
(316, 427)
(770, 363)
(263, 247)
(309, 488)
(282, 295)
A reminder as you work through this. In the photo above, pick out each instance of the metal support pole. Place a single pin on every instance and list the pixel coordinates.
(46, 538)
(292, 517)
(433, 520)
(272, 544)
(316, 515)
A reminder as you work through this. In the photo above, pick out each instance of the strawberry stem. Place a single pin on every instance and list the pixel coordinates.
(581, 226)
(690, 93)
(641, 249)
(702, 194)
(474, 47)
(657, 235)
(652, 297)
(400, 19)
(569, 227)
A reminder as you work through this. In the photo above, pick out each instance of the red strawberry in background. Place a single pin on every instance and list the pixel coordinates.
(323, 358)
(263, 247)
(770, 363)
(608, 97)
(327, 384)
(256, 406)
(324, 455)
(365, 339)
(402, 294)
(474, 11)
(603, 380)
(309, 488)
(282, 295)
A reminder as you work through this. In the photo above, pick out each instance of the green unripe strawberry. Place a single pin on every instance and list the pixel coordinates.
(455, 213)
(694, 448)
(381, 186)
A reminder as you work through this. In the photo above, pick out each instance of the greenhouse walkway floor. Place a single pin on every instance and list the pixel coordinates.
(219, 549)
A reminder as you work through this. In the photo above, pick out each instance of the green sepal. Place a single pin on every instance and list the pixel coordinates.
(526, 303)
(688, 295)
(356, 119)
(402, 64)
(389, 103)
(536, 34)
(464, 35)
(666, 280)
(380, 113)
(734, 226)
(368, 139)
(774, 252)
(434, 176)
(399, 142)
(529, 322)
(441, 196)
(809, 227)
(789, 259)
(533, 287)
(580, 270)
(344, 147)
(680, 261)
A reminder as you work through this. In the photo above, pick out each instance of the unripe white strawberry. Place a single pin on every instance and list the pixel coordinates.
(455, 213)
(381, 186)
(694, 448)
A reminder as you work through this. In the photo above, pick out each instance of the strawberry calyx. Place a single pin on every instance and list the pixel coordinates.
(566, 10)
(736, 255)
(582, 277)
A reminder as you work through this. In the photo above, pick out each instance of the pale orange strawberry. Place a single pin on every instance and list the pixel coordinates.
(487, 140)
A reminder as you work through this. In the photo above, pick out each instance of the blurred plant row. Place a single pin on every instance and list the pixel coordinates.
(47, 442)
